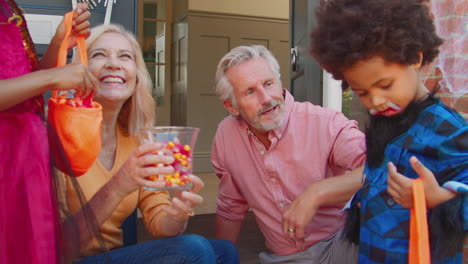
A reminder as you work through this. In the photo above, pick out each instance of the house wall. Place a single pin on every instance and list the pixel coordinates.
(124, 13)
(261, 8)
(200, 39)
(449, 72)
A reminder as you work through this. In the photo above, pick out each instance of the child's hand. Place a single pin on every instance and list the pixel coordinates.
(400, 186)
(73, 76)
(80, 25)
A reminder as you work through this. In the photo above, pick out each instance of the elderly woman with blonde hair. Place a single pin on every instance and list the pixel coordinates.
(113, 186)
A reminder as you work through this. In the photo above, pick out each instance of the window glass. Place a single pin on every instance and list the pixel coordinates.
(155, 9)
(149, 29)
(353, 109)
(152, 37)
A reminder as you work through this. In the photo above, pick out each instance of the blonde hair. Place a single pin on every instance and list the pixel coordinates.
(139, 110)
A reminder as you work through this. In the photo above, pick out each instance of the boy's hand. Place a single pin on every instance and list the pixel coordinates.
(400, 186)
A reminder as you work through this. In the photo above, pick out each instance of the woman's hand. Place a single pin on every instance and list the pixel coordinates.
(141, 164)
(183, 202)
(80, 26)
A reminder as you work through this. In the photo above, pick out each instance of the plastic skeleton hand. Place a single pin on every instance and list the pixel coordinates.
(91, 3)
(105, 2)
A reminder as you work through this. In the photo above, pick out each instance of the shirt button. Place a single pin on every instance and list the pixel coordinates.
(281, 205)
(273, 179)
(390, 202)
(262, 152)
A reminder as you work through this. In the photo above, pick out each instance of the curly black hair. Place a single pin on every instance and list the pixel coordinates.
(351, 30)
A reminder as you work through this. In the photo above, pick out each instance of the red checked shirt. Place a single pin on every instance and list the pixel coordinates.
(312, 144)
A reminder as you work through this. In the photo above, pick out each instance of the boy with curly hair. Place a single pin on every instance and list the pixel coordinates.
(378, 48)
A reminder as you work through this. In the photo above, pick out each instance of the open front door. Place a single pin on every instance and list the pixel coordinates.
(305, 73)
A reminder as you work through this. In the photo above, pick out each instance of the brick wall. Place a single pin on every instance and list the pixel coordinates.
(449, 71)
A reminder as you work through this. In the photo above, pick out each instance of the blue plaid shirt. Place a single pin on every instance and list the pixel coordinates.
(439, 139)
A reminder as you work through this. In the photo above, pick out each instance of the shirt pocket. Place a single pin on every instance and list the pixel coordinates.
(383, 216)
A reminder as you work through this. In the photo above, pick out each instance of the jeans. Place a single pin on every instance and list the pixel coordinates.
(171, 250)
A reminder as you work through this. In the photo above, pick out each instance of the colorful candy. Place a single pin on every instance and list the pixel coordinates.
(73, 102)
(182, 160)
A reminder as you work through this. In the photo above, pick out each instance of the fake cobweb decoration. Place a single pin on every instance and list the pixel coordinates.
(92, 3)
(450, 68)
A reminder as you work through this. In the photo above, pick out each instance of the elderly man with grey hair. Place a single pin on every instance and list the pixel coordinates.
(293, 164)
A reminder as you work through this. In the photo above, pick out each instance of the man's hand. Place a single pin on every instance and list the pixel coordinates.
(400, 186)
(298, 215)
(302, 210)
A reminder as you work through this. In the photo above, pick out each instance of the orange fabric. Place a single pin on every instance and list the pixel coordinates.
(419, 252)
(77, 126)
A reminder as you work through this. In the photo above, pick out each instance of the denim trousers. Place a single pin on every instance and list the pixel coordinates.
(182, 249)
